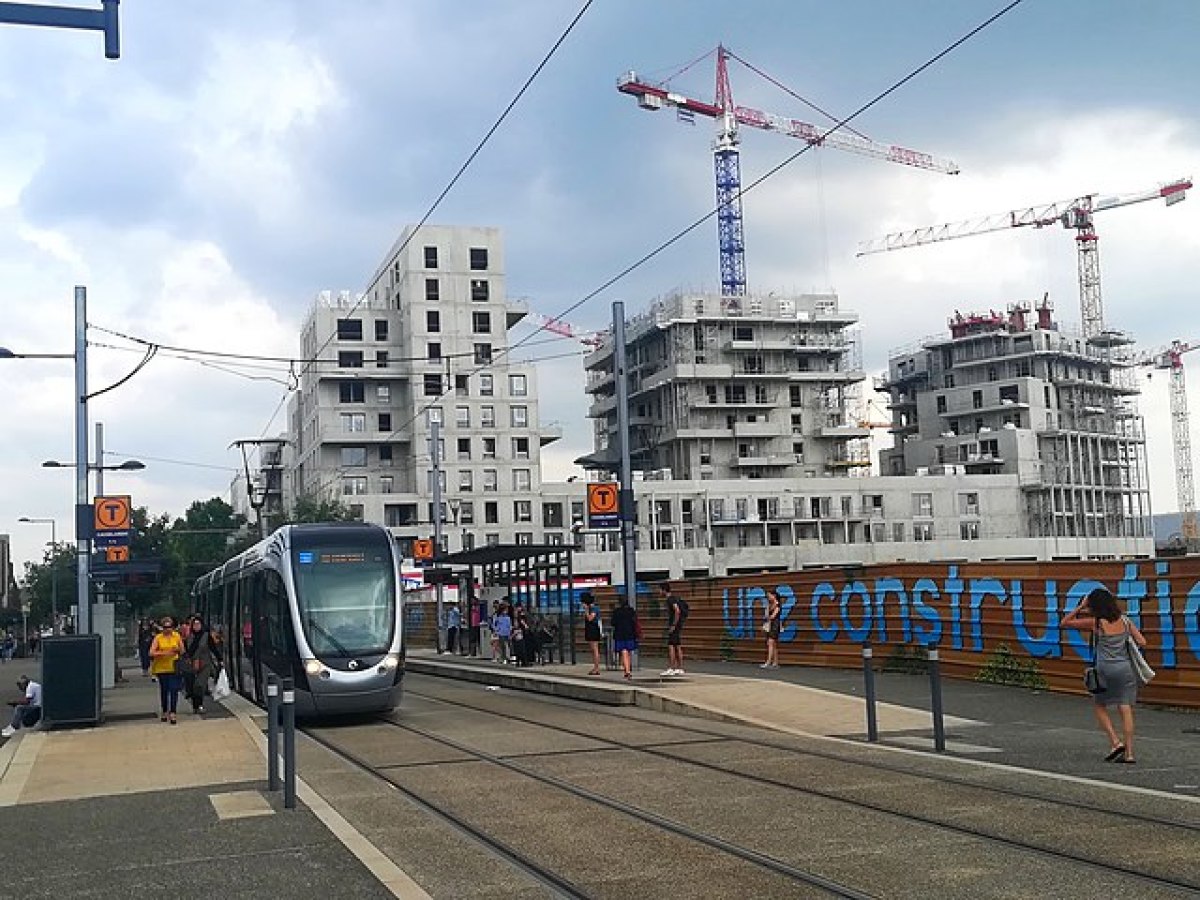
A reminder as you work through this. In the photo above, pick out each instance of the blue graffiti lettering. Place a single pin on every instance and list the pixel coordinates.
(954, 589)
(883, 587)
(981, 588)
(787, 602)
(1048, 644)
(749, 619)
(927, 587)
(1166, 622)
(1131, 590)
(858, 633)
(823, 591)
(1191, 619)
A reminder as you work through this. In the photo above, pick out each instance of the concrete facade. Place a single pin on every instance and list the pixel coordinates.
(1013, 394)
(426, 343)
(718, 392)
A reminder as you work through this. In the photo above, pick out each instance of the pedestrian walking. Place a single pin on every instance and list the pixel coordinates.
(677, 613)
(453, 625)
(502, 626)
(593, 630)
(203, 657)
(27, 711)
(166, 653)
(145, 637)
(771, 627)
(475, 618)
(8, 647)
(626, 630)
(1112, 657)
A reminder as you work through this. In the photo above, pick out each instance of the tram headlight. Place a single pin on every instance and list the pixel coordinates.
(389, 662)
(313, 666)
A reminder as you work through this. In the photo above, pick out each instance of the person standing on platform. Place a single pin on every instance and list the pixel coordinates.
(1100, 614)
(593, 630)
(626, 629)
(474, 617)
(203, 662)
(27, 711)
(677, 613)
(453, 625)
(771, 627)
(502, 629)
(166, 651)
(145, 637)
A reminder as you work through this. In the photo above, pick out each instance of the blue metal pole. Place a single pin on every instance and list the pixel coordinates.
(272, 732)
(104, 19)
(935, 688)
(869, 684)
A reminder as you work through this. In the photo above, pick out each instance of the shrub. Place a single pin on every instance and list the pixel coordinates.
(1005, 667)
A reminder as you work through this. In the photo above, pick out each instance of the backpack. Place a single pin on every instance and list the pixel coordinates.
(683, 610)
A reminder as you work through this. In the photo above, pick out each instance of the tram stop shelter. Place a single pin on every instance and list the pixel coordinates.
(539, 576)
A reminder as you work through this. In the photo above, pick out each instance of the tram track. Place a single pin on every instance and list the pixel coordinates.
(1003, 790)
(1108, 867)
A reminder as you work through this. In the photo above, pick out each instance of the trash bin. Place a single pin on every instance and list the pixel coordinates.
(71, 680)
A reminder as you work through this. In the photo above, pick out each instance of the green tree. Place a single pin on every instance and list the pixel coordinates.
(319, 509)
(58, 562)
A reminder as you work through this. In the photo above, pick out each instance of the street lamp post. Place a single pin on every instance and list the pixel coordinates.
(53, 523)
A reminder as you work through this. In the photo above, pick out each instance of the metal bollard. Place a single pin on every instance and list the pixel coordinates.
(935, 690)
(869, 684)
(272, 733)
(289, 744)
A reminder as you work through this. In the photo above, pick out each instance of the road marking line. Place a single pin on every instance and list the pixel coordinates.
(20, 766)
(957, 746)
(390, 875)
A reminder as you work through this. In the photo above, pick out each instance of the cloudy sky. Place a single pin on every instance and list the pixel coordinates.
(242, 156)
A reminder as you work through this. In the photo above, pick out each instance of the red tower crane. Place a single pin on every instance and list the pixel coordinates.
(1076, 213)
(728, 117)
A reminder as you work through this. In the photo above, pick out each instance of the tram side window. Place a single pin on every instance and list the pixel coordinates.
(277, 618)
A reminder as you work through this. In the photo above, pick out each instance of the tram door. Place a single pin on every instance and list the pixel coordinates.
(247, 639)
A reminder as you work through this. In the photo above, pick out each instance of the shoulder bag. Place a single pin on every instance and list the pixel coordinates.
(1141, 668)
(1092, 679)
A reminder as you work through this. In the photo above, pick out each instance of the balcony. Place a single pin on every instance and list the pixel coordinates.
(843, 431)
(758, 429)
(743, 462)
(549, 433)
(515, 309)
(333, 434)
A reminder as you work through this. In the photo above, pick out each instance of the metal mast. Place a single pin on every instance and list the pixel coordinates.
(1171, 358)
(727, 164)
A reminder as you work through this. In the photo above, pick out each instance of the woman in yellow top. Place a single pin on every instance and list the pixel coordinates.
(165, 652)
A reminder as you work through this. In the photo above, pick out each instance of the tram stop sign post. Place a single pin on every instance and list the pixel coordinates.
(603, 506)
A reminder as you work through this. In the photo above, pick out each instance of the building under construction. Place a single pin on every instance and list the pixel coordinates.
(1011, 393)
(757, 389)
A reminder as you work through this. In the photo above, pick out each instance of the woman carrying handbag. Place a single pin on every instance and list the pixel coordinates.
(1114, 667)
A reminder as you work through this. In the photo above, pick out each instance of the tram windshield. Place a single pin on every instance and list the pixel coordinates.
(346, 593)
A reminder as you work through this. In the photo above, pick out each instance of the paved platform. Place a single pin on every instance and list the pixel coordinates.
(1051, 734)
(108, 810)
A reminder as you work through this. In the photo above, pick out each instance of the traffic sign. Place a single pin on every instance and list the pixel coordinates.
(603, 505)
(422, 549)
(106, 539)
(113, 513)
(119, 554)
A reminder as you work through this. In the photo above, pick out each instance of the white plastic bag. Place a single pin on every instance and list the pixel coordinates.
(221, 688)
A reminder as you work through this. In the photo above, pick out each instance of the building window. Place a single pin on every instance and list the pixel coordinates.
(352, 392)
(352, 422)
(743, 333)
(520, 448)
(466, 480)
(481, 322)
(753, 364)
(491, 513)
(552, 515)
(492, 539)
(922, 531)
(381, 329)
(483, 353)
(489, 448)
(795, 395)
(466, 513)
(554, 538)
(462, 385)
(522, 480)
(354, 486)
(433, 351)
(462, 416)
(433, 384)
(941, 404)
(433, 415)
(520, 416)
(735, 394)
(350, 359)
(898, 532)
(524, 537)
(490, 482)
(381, 359)
(479, 290)
(385, 421)
(976, 399)
(922, 505)
(479, 259)
(485, 385)
(354, 456)
(383, 393)
(385, 456)
(441, 485)
(522, 510)
(433, 290)
(487, 416)
(517, 385)
(968, 504)
(968, 531)
(431, 261)
(433, 321)
(349, 329)
(387, 484)
(464, 448)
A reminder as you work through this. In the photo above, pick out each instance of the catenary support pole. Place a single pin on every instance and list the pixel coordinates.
(628, 550)
(272, 733)
(435, 429)
(83, 507)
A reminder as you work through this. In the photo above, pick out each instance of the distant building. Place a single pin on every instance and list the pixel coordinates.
(1012, 394)
(9, 596)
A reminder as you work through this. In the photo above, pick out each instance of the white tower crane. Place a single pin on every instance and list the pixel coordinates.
(1171, 357)
(1076, 213)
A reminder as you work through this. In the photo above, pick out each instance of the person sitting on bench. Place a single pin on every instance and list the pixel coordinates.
(27, 711)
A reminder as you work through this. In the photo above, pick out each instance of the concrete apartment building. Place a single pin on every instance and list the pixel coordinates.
(425, 344)
(1012, 394)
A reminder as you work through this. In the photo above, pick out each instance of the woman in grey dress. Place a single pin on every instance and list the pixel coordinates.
(1100, 614)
